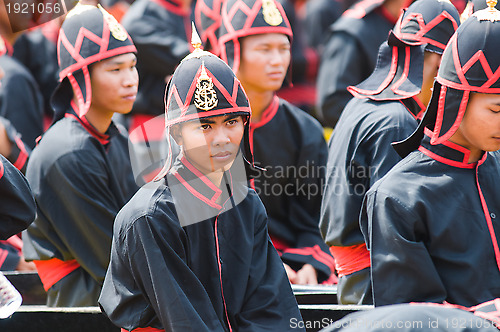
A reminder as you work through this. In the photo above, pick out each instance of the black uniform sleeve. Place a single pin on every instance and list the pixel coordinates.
(82, 206)
(270, 304)
(151, 262)
(9, 257)
(304, 207)
(22, 105)
(343, 63)
(20, 152)
(17, 209)
(402, 269)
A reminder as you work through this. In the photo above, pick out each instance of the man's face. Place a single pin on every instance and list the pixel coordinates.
(210, 144)
(114, 84)
(431, 66)
(480, 127)
(264, 62)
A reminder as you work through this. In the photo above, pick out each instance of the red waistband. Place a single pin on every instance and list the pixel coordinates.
(144, 329)
(53, 270)
(350, 259)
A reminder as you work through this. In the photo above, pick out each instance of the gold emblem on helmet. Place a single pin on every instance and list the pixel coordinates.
(117, 31)
(489, 14)
(271, 13)
(205, 96)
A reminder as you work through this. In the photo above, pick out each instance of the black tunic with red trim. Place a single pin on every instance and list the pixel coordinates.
(19, 152)
(360, 153)
(289, 144)
(160, 30)
(349, 56)
(431, 225)
(20, 99)
(80, 179)
(182, 260)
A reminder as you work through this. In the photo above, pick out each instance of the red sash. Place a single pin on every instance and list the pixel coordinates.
(53, 270)
(350, 259)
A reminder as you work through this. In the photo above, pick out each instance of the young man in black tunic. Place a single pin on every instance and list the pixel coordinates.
(286, 141)
(191, 251)
(385, 109)
(80, 172)
(431, 224)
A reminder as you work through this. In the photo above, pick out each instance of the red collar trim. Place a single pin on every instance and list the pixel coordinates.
(102, 138)
(211, 201)
(173, 6)
(267, 116)
(439, 155)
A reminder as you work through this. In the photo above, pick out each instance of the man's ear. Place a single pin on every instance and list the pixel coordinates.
(175, 132)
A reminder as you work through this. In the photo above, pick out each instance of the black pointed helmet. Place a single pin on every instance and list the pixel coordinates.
(89, 34)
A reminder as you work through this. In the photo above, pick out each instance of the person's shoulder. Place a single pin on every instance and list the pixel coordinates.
(15, 72)
(64, 140)
(151, 205)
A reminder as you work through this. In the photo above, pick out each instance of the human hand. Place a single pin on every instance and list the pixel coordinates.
(307, 275)
(292, 275)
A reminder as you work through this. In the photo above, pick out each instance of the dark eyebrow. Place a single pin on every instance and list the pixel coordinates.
(227, 118)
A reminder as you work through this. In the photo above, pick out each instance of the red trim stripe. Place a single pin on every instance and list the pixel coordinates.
(2, 170)
(445, 160)
(144, 329)
(23, 154)
(266, 116)
(176, 9)
(392, 71)
(314, 252)
(3, 256)
(196, 193)
(203, 178)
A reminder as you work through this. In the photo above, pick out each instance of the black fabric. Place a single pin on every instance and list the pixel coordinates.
(412, 318)
(79, 186)
(166, 275)
(349, 57)
(450, 87)
(291, 186)
(162, 42)
(10, 256)
(18, 206)
(43, 66)
(360, 153)
(20, 100)
(427, 233)
(19, 150)
(320, 14)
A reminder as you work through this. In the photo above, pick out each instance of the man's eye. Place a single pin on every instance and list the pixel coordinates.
(205, 127)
